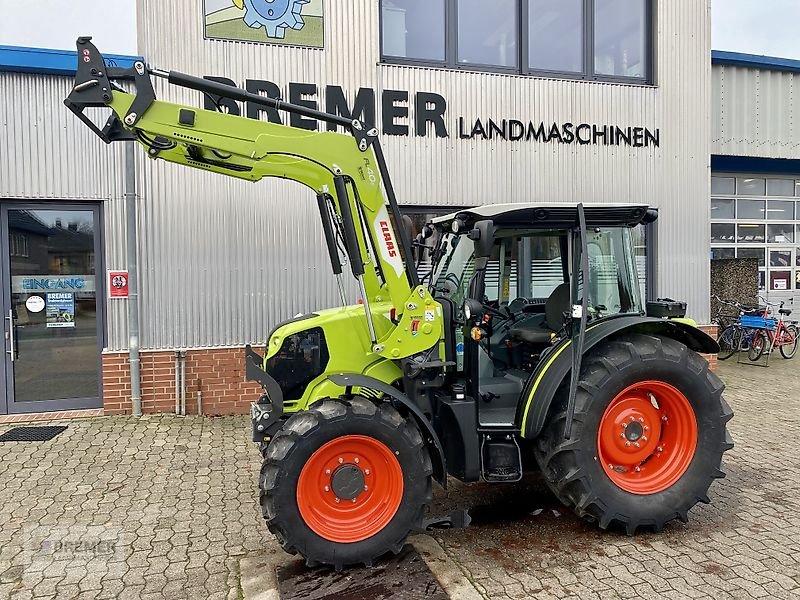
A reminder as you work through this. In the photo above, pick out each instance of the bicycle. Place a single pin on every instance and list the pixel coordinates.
(733, 337)
(782, 335)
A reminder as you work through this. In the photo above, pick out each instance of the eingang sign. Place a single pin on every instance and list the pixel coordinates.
(429, 115)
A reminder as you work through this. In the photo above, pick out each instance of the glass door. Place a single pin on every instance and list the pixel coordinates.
(51, 308)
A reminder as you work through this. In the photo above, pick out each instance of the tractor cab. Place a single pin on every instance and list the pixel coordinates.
(505, 275)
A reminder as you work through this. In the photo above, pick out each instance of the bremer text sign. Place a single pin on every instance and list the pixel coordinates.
(426, 113)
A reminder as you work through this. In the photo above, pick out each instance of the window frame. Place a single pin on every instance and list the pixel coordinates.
(523, 48)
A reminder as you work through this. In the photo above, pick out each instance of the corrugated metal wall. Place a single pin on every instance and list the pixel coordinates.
(753, 112)
(222, 260)
(47, 154)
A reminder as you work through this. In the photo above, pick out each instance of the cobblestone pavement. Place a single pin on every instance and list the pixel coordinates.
(165, 507)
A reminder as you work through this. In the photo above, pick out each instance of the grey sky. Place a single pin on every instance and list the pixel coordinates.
(754, 26)
(57, 24)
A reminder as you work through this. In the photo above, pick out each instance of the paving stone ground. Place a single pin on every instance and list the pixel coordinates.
(165, 507)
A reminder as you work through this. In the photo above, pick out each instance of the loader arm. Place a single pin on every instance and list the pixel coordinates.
(348, 171)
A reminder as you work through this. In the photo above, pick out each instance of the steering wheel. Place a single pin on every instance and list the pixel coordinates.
(517, 305)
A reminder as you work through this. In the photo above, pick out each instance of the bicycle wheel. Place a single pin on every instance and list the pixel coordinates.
(789, 341)
(757, 346)
(729, 342)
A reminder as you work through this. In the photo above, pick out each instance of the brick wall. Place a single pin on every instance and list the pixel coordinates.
(218, 373)
(711, 358)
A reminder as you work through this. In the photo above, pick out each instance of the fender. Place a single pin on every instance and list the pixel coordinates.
(351, 380)
(540, 390)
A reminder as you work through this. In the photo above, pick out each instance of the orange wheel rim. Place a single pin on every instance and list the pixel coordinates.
(647, 437)
(350, 489)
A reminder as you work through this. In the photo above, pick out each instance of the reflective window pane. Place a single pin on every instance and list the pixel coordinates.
(750, 234)
(556, 35)
(757, 253)
(722, 232)
(780, 234)
(797, 257)
(619, 38)
(413, 29)
(780, 210)
(722, 209)
(780, 280)
(780, 258)
(780, 187)
(747, 186)
(750, 209)
(725, 186)
(487, 32)
(722, 253)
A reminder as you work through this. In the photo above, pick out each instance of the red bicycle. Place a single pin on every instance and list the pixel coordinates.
(783, 336)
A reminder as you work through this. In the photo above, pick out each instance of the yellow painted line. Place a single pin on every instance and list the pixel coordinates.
(539, 380)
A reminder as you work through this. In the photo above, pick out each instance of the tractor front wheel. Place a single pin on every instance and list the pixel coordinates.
(345, 482)
(647, 437)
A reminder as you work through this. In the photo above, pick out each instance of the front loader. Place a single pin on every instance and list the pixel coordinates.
(527, 344)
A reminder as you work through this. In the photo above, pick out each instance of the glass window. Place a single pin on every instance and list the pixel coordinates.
(780, 258)
(751, 187)
(780, 187)
(722, 209)
(757, 253)
(797, 257)
(722, 253)
(761, 280)
(413, 29)
(750, 209)
(555, 28)
(780, 210)
(797, 279)
(780, 234)
(722, 233)
(487, 35)
(750, 234)
(619, 38)
(723, 185)
(780, 280)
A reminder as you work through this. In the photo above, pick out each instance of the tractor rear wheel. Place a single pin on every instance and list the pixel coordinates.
(345, 482)
(647, 438)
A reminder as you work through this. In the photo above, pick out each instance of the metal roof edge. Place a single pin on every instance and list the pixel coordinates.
(754, 61)
(49, 61)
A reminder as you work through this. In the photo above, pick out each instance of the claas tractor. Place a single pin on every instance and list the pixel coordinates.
(524, 345)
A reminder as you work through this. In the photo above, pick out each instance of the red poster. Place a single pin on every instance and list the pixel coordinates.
(117, 284)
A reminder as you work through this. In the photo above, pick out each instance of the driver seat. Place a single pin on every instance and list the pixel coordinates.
(555, 307)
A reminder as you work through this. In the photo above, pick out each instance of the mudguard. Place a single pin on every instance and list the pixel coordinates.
(551, 371)
(353, 380)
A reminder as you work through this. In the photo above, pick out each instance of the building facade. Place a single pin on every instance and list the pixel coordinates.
(534, 101)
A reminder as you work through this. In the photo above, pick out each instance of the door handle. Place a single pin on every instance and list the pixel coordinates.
(11, 339)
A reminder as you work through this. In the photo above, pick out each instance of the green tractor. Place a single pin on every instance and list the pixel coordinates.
(526, 344)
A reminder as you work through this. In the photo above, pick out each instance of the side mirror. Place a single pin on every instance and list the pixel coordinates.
(483, 236)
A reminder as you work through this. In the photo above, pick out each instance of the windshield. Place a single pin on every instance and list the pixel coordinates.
(530, 265)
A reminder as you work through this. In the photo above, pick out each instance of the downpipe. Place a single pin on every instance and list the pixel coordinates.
(180, 382)
(133, 279)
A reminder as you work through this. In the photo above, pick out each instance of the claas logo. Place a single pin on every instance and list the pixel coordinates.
(387, 237)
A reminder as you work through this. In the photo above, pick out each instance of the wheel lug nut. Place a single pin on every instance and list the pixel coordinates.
(337, 500)
(641, 420)
(624, 425)
(646, 428)
(627, 443)
(327, 471)
(366, 471)
(341, 460)
(355, 460)
(637, 444)
(660, 449)
(366, 487)
(637, 469)
(353, 500)
(644, 438)
(632, 419)
(664, 418)
(622, 435)
(327, 489)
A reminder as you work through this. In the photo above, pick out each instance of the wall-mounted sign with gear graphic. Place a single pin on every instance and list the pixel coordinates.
(288, 22)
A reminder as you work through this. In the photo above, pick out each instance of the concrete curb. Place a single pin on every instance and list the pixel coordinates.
(258, 577)
(447, 572)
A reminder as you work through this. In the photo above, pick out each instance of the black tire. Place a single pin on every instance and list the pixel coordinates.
(758, 346)
(789, 350)
(729, 341)
(571, 467)
(306, 432)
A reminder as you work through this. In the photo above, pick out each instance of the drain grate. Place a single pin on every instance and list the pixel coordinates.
(32, 434)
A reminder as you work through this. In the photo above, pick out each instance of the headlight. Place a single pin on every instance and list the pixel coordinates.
(467, 311)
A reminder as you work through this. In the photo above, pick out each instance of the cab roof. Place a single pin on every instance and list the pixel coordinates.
(549, 216)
